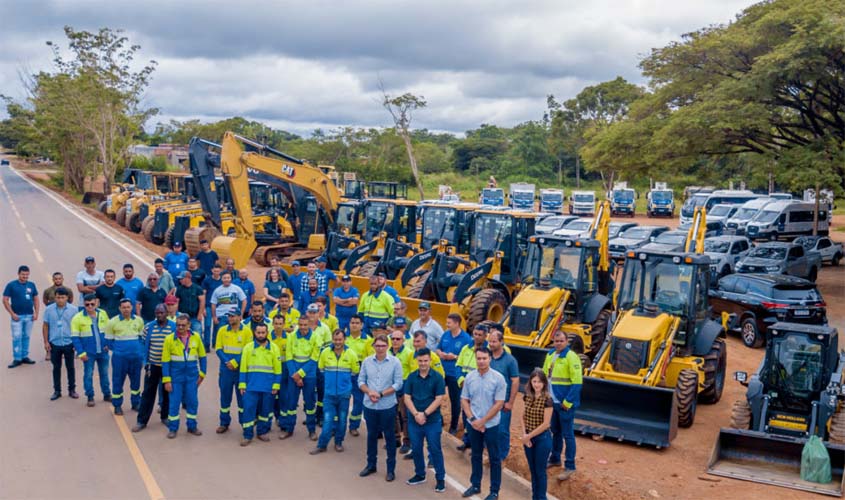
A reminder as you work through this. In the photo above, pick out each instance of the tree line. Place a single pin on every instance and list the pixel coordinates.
(759, 100)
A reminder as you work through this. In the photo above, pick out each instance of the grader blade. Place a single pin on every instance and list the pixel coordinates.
(771, 459)
(627, 412)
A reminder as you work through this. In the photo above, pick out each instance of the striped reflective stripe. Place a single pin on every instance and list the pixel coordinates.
(135, 393)
(224, 410)
(337, 369)
(123, 338)
(262, 419)
(260, 368)
(562, 380)
(248, 424)
(173, 417)
(301, 358)
(117, 394)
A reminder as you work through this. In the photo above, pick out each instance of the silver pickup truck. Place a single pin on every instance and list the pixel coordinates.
(781, 258)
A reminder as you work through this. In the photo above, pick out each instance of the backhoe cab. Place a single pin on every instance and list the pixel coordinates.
(795, 393)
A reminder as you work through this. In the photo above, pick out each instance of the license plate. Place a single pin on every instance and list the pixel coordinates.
(801, 312)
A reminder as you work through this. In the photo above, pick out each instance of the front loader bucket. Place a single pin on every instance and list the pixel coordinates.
(527, 358)
(439, 310)
(771, 459)
(627, 412)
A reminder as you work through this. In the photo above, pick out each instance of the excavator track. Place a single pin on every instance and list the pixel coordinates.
(194, 235)
(285, 252)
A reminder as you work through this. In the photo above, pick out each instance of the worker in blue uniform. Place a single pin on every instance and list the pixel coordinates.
(183, 367)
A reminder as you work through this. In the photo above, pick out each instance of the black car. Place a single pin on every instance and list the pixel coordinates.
(756, 301)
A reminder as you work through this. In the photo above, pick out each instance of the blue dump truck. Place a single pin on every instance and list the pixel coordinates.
(522, 195)
(551, 200)
(493, 196)
(661, 201)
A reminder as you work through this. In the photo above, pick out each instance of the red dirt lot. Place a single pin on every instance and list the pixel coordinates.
(609, 470)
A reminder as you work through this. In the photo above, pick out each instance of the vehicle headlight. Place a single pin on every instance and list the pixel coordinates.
(772, 268)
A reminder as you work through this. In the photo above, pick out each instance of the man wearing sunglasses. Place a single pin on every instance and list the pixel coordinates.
(87, 331)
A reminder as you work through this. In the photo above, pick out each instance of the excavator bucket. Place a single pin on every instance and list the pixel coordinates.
(771, 459)
(237, 248)
(634, 413)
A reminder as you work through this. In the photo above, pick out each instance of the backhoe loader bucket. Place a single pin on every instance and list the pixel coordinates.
(627, 412)
(771, 459)
(237, 248)
(439, 310)
(528, 358)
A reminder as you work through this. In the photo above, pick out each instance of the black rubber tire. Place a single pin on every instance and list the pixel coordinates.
(814, 275)
(134, 222)
(598, 332)
(103, 206)
(750, 334)
(686, 392)
(487, 305)
(835, 261)
(586, 362)
(837, 427)
(773, 237)
(575, 342)
(416, 289)
(147, 228)
(120, 216)
(741, 415)
(724, 272)
(715, 366)
(368, 269)
(168, 237)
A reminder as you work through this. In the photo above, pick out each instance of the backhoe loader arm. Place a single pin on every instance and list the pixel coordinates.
(697, 232)
(600, 231)
(202, 163)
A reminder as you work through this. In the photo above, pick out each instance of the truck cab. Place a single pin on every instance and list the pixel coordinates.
(494, 197)
(522, 195)
(623, 200)
(661, 202)
(582, 203)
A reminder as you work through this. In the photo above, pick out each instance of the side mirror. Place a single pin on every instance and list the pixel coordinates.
(741, 377)
(651, 238)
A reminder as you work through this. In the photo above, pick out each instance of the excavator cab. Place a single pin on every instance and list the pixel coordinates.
(387, 190)
(448, 221)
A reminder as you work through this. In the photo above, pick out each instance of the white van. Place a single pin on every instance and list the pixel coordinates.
(787, 218)
(709, 200)
(736, 224)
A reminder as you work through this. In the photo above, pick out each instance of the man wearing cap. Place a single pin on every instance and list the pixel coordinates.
(131, 285)
(433, 330)
(242, 280)
(165, 279)
(401, 324)
(154, 334)
(89, 278)
(382, 282)
(87, 330)
(172, 305)
(375, 305)
(345, 301)
(295, 283)
(451, 343)
(323, 335)
(125, 338)
(209, 284)
(149, 298)
(226, 297)
(331, 277)
(191, 300)
(362, 346)
(231, 339)
(109, 294)
(206, 257)
(176, 260)
(279, 336)
(301, 356)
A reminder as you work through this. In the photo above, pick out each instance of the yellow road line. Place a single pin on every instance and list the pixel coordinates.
(153, 489)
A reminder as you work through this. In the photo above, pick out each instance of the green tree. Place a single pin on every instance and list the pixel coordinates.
(401, 109)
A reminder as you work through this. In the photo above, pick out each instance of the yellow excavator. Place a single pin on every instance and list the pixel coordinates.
(569, 289)
(664, 353)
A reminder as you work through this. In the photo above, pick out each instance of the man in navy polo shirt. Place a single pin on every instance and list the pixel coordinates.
(345, 302)
(20, 298)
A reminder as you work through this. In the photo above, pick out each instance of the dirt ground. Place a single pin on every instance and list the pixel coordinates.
(608, 470)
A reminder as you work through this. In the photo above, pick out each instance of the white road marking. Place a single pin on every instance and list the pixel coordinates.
(145, 261)
(40, 259)
(28, 237)
(23, 226)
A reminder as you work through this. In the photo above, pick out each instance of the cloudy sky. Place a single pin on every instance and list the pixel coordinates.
(302, 65)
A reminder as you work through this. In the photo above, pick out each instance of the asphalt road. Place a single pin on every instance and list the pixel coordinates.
(62, 449)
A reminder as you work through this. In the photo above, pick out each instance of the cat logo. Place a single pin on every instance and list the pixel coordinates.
(288, 170)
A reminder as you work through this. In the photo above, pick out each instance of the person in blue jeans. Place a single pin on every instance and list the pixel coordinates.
(209, 284)
(20, 298)
(339, 365)
(424, 392)
(504, 363)
(536, 437)
(87, 332)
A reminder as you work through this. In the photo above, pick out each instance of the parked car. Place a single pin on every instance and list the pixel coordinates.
(830, 250)
(724, 252)
(722, 212)
(552, 223)
(670, 241)
(632, 239)
(781, 258)
(756, 301)
(4, 162)
(614, 228)
(714, 228)
(574, 228)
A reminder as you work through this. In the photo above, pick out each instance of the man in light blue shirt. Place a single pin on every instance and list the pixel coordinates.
(380, 379)
(482, 398)
(131, 285)
(57, 342)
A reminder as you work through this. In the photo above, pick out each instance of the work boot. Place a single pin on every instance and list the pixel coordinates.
(56, 395)
(565, 475)
(367, 471)
(317, 451)
(136, 407)
(118, 410)
(222, 429)
(285, 434)
(171, 434)
(14, 364)
(338, 448)
(73, 395)
(312, 436)
(354, 432)
(263, 437)
(27, 361)
(245, 442)
(195, 432)
(107, 398)
(90, 402)
(139, 427)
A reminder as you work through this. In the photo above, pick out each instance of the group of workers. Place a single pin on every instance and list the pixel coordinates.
(368, 361)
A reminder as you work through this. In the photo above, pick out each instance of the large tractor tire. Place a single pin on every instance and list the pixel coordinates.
(103, 207)
(487, 305)
(147, 228)
(415, 291)
(120, 216)
(741, 415)
(715, 365)
(837, 427)
(586, 362)
(575, 342)
(168, 237)
(598, 332)
(368, 269)
(134, 222)
(194, 235)
(686, 392)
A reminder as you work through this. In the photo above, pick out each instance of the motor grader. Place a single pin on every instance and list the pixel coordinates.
(133, 179)
(569, 289)
(165, 189)
(664, 353)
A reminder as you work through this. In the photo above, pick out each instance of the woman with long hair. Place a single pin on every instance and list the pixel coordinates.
(536, 437)
(273, 288)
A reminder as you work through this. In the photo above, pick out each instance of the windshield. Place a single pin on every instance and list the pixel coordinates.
(636, 233)
(551, 222)
(766, 216)
(438, 222)
(494, 194)
(716, 246)
(584, 198)
(379, 216)
(346, 217)
(720, 210)
(661, 195)
(672, 238)
(552, 197)
(625, 195)
(690, 205)
(797, 368)
(613, 230)
(807, 243)
(490, 231)
(579, 225)
(776, 253)
(745, 213)
(658, 282)
(561, 265)
(523, 196)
